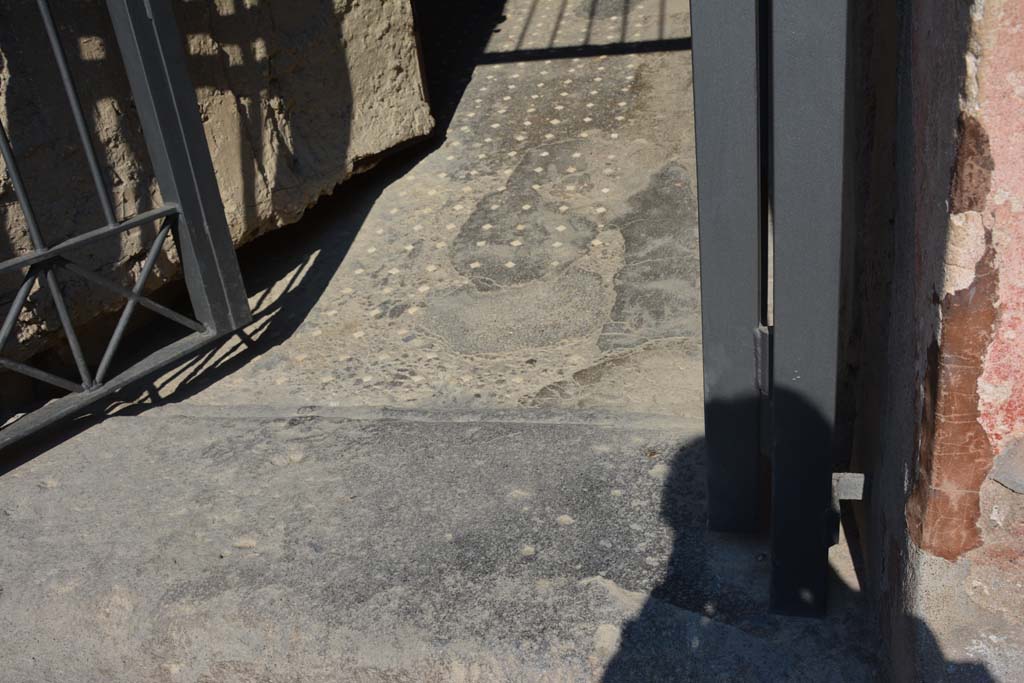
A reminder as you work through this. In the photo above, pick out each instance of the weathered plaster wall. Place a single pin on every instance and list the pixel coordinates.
(295, 95)
(940, 414)
(969, 527)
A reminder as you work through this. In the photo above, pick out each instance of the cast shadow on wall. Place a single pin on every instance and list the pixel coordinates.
(258, 68)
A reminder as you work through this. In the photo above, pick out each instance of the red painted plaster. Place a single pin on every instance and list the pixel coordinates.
(999, 108)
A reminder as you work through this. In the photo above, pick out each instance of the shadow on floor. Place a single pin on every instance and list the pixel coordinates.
(449, 62)
(453, 36)
(285, 273)
(711, 586)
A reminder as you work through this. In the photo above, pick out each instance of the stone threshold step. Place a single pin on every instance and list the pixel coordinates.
(321, 544)
(591, 417)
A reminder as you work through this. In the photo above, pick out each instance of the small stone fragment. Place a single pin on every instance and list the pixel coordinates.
(659, 471)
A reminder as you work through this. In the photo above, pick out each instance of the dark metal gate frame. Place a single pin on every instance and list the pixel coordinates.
(192, 214)
(769, 91)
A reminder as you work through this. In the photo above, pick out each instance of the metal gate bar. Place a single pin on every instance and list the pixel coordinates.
(809, 90)
(76, 111)
(729, 184)
(72, 243)
(769, 95)
(193, 216)
(154, 58)
(47, 273)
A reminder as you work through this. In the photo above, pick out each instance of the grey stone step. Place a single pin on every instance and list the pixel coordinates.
(239, 544)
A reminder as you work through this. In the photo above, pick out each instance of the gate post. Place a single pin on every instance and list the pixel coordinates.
(727, 110)
(809, 43)
(154, 57)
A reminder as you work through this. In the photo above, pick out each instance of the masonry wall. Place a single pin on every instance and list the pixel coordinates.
(940, 372)
(295, 95)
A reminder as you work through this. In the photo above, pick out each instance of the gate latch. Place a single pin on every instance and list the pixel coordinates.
(846, 486)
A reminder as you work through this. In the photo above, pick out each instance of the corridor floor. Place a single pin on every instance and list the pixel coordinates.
(462, 439)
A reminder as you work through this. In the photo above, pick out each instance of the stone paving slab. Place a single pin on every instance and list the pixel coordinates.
(319, 546)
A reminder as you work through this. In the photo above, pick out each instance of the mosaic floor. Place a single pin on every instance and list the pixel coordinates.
(544, 255)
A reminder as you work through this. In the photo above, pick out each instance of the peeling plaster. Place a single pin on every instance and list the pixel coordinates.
(964, 249)
(974, 403)
(955, 452)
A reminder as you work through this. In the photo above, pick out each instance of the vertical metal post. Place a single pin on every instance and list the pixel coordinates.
(154, 57)
(809, 43)
(730, 193)
(98, 178)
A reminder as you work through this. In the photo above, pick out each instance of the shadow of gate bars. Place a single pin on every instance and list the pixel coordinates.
(192, 215)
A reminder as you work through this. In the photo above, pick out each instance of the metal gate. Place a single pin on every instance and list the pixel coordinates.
(192, 216)
(770, 92)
